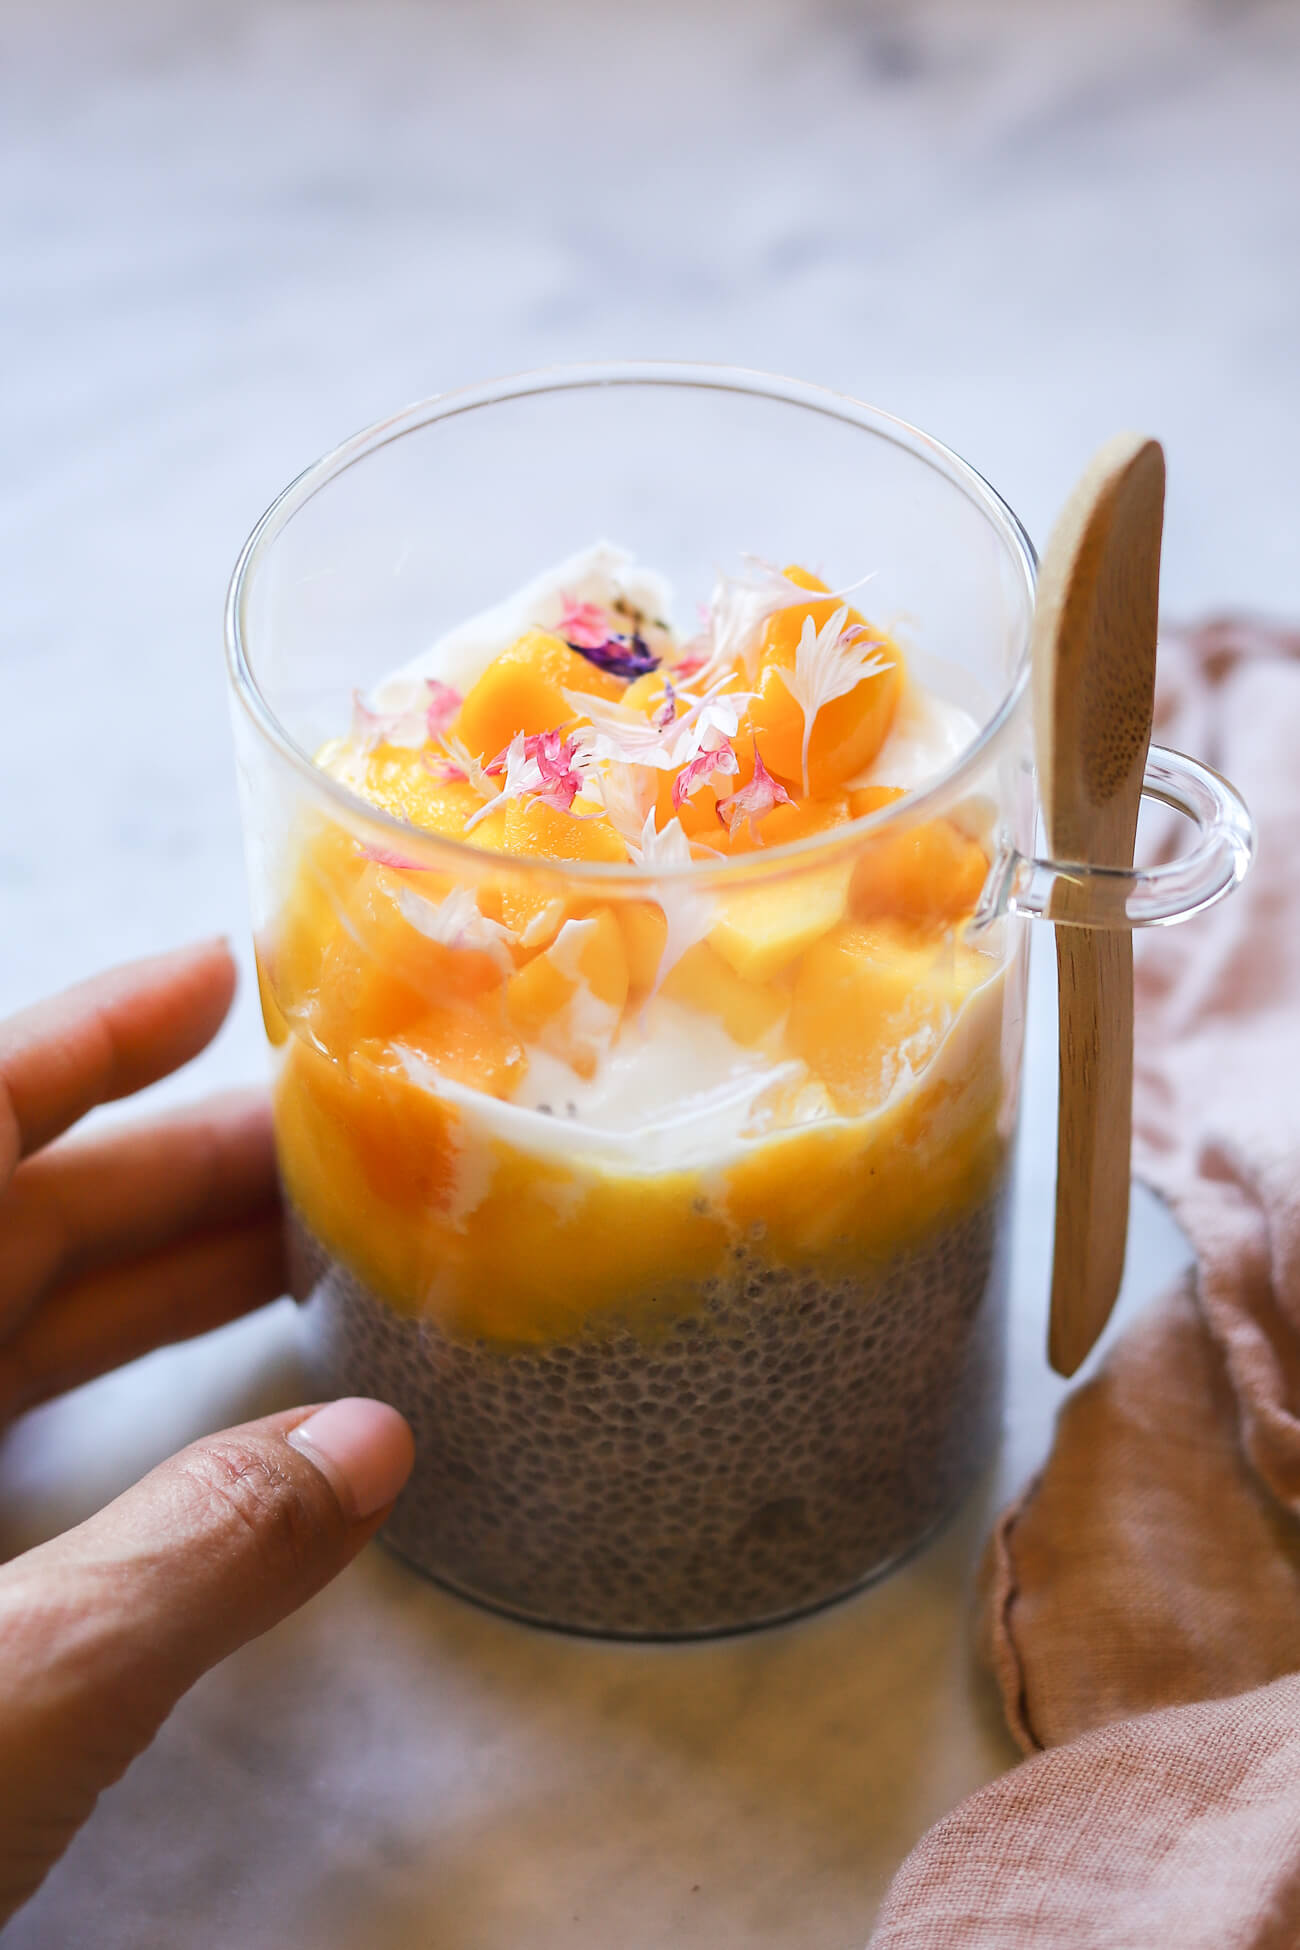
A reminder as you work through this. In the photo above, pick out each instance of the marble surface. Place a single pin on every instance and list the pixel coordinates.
(231, 234)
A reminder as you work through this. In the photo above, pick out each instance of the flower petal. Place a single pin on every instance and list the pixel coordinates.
(709, 761)
(753, 801)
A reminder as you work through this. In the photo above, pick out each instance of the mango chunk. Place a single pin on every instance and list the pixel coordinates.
(537, 906)
(704, 981)
(698, 814)
(785, 824)
(361, 950)
(872, 1000)
(762, 930)
(569, 998)
(866, 799)
(326, 876)
(383, 967)
(543, 832)
(401, 783)
(537, 995)
(346, 1130)
(932, 873)
(849, 730)
(523, 689)
(645, 933)
(554, 1248)
(370, 1159)
(645, 693)
(474, 1047)
(592, 951)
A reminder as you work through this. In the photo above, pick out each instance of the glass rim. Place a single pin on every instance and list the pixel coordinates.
(442, 848)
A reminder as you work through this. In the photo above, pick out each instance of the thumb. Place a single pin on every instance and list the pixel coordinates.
(104, 1628)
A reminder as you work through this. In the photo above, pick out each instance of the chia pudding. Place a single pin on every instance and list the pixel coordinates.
(644, 1109)
(771, 1451)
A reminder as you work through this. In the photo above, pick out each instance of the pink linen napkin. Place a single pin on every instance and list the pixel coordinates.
(1155, 1561)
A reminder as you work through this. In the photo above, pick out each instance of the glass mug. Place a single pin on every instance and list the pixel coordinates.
(675, 1374)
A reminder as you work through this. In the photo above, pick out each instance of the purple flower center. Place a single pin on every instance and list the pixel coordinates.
(621, 656)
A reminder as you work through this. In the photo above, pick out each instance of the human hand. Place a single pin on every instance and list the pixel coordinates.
(109, 1246)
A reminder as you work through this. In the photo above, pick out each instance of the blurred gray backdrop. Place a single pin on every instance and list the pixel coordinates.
(232, 233)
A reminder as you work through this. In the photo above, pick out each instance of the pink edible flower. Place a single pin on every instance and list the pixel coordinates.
(559, 762)
(383, 858)
(698, 770)
(414, 724)
(667, 711)
(368, 727)
(448, 769)
(584, 625)
(618, 732)
(753, 801)
(586, 628)
(456, 765)
(546, 764)
(693, 662)
(562, 776)
(442, 707)
(698, 651)
(554, 754)
(555, 751)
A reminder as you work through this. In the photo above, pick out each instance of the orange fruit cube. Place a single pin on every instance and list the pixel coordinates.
(849, 730)
(931, 873)
(523, 689)
(537, 994)
(536, 906)
(545, 998)
(398, 780)
(645, 693)
(873, 999)
(704, 981)
(645, 932)
(760, 931)
(865, 799)
(475, 1047)
(784, 824)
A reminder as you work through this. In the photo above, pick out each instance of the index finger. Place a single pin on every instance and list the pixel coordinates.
(104, 1039)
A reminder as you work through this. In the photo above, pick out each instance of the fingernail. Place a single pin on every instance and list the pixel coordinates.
(363, 1448)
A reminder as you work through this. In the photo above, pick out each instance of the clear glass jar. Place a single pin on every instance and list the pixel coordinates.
(669, 1375)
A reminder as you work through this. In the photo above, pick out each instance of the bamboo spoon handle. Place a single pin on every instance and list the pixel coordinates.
(1094, 661)
(1094, 974)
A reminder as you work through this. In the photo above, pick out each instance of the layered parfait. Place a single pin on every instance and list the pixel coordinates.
(648, 1148)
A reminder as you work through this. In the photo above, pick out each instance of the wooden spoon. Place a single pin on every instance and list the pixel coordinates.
(1094, 667)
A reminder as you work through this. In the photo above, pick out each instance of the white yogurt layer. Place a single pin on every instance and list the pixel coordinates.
(675, 1093)
(927, 736)
(672, 1091)
(670, 1066)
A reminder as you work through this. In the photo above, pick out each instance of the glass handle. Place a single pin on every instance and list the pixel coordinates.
(1078, 896)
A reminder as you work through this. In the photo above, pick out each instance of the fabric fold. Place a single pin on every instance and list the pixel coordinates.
(1154, 1560)
(1179, 1827)
(1142, 1595)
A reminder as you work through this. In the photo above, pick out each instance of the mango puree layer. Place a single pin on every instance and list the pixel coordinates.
(439, 1213)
